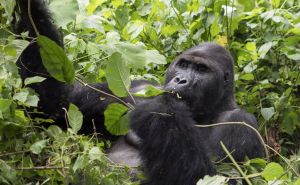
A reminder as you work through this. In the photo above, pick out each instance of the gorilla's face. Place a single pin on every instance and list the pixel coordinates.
(201, 76)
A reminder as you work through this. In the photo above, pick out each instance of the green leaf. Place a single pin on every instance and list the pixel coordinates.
(117, 75)
(251, 46)
(295, 31)
(133, 54)
(273, 171)
(275, 3)
(116, 121)
(294, 56)
(215, 28)
(54, 131)
(149, 91)
(35, 79)
(5, 104)
(95, 154)
(215, 180)
(264, 49)
(154, 57)
(80, 162)
(55, 60)
(247, 76)
(267, 113)
(169, 30)
(64, 11)
(38, 146)
(75, 118)
(7, 172)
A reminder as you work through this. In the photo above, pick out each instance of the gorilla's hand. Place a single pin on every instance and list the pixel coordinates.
(170, 143)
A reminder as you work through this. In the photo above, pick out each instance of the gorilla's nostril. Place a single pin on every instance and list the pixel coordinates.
(182, 82)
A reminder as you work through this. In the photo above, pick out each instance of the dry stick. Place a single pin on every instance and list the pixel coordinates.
(105, 93)
(244, 124)
(42, 168)
(235, 164)
(31, 19)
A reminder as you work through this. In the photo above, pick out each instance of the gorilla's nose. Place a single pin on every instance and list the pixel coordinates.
(181, 81)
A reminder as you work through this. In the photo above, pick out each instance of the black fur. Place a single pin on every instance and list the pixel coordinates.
(173, 150)
(55, 95)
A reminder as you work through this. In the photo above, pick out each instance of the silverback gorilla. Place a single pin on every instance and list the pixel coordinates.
(173, 150)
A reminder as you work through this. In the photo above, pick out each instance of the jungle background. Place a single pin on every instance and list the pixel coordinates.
(262, 35)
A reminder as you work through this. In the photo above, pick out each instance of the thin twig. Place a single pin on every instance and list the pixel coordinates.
(42, 168)
(244, 124)
(105, 93)
(31, 19)
(235, 164)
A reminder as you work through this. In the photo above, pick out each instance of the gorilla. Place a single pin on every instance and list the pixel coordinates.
(199, 88)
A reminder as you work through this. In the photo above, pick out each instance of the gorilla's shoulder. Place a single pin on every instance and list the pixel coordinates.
(237, 115)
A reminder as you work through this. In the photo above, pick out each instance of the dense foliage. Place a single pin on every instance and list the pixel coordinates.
(121, 40)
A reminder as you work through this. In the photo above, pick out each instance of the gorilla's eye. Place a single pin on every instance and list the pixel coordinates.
(201, 67)
(183, 63)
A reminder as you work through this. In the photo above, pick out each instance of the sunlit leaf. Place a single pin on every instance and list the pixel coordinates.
(116, 119)
(273, 171)
(117, 75)
(75, 118)
(55, 60)
(267, 113)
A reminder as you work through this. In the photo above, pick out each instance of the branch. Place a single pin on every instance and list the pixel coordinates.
(235, 164)
(105, 93)
(244, 124)
(42, 168)
(31, 19)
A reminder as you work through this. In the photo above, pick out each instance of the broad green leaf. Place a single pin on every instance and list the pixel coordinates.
(35, 79)
(64, 11)
(169, 30)
(54, 131)
(18, 48)
(154, 57)
(7, 172)
(38, 146)
(27, 98)
(55, 60)
(80, 163)
(117, 75)
(75, 118)
(215, 28)
(275, 3)
(116, 119)
(214, 180)
(247, 76)
(295, 31)
(264, 49)
(248, 5)
(251, 46)
(5, 104)
(273, 171)
(294, 56)
(95, 153)
(122, 16)
(149, 91)
(21, 96)
(290, 121)
(267, 113)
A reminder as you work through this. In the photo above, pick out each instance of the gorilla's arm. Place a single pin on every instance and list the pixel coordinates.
(170, 143)
(239, 139)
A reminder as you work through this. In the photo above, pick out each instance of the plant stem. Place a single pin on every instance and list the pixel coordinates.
(235, 164)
